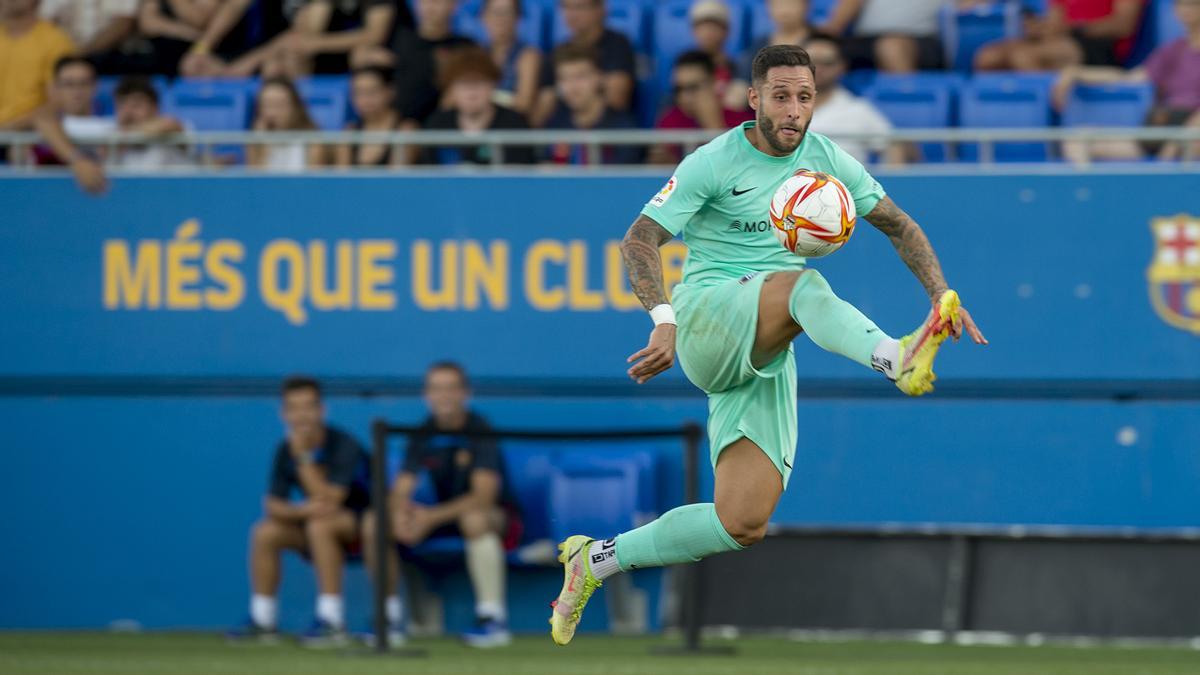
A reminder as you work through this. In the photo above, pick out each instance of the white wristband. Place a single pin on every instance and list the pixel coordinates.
(663, 314)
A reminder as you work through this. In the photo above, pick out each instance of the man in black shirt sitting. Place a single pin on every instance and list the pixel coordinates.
(328, 468)
(614, 53)
(473, 501)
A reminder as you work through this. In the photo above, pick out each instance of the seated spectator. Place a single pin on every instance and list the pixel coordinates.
(614, 53)
(29, 48)
(72, 100)
(520, 63)
(421, 54)
(895, 37)
(581, 82)
(710, 31)
(1073, 32)
(137, 112)
(474, 501)
(279, 107)
(328, 468)
(232, 38)
(1173, 68)
(470, 81)
(838, 112)
(696, 104)
(329, 37)
(790, 19)
(372, 96)
(102, 28)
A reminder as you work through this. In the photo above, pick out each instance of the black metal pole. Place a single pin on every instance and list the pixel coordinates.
(379, 500)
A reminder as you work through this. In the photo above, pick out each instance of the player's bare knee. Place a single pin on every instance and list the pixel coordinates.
(266, 533)
(321, 527)
(473, 523)
(746, 531)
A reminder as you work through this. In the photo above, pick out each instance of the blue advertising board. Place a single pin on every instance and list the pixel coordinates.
(1071, 276)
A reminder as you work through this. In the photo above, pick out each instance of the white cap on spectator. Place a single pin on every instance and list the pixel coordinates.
(709, 10)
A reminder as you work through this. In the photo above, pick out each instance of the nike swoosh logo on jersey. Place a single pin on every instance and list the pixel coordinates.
(739, 193)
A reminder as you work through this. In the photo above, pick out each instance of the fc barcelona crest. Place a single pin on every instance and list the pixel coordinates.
(1174, 273)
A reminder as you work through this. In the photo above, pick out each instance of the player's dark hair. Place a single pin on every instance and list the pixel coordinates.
(452, 366)
(299, 383)
(697, 58)
(778, 56)
(73, 60)
(134, 85)
(572, 52)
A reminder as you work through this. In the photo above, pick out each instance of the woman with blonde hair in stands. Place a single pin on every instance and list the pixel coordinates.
(280, 108)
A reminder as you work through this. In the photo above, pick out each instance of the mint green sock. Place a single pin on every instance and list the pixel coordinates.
(832, 323)
(684, 534)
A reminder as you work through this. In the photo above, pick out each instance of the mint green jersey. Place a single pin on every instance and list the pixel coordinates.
(720, 200)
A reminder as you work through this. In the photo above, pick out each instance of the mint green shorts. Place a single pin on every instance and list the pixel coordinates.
(714, 341)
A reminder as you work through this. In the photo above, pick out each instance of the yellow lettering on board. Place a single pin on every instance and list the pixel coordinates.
(130, 284)
(485, 274)
(541, 253)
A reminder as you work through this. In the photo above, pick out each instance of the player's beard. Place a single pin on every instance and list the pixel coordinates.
(778, 143)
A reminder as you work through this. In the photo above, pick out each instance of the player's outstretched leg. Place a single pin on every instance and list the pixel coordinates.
(746, 488)
(837, 326)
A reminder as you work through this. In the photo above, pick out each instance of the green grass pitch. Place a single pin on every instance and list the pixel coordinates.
(176, 653)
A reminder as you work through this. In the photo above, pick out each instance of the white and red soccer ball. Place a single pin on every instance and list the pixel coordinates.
(812, 214)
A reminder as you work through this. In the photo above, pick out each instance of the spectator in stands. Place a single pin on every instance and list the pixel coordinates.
(328, 467)
(520, 63)
(330, 37)
(583, 106)
(838, 112)
(29, 48)
(474, 501)
(585, 21)
(710, 31)
(72, 100)
(1073, 32)
(372, 96)
(279, 107)
(470, 79)
(895, 37)
(101, 28)
(235, 38)
(695, 104)
(1173, 68)
(137, 112)
(420, 55)
(790, 19)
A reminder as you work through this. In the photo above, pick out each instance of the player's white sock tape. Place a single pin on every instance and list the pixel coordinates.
(886, 358)
(603, 556)
(329, 609)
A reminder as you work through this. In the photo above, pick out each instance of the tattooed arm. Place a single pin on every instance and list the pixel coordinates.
(911, 244)
(644, 264)
(642, 261)
(914, 249)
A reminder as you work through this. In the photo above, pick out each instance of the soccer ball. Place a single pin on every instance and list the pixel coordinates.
(812, 214)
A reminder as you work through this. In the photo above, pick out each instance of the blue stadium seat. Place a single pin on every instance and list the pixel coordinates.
(965, 31)
(624, 16)
(921, 103)
(673, 33)
(858, 81)
(612, 488)
(1166, 26)
(531, 28)
(327, 99)
(999, 104)
(1109, 105)
(210, 105)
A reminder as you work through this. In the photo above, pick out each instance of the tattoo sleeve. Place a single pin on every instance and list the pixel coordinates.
(640, 252)
(911, 244)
